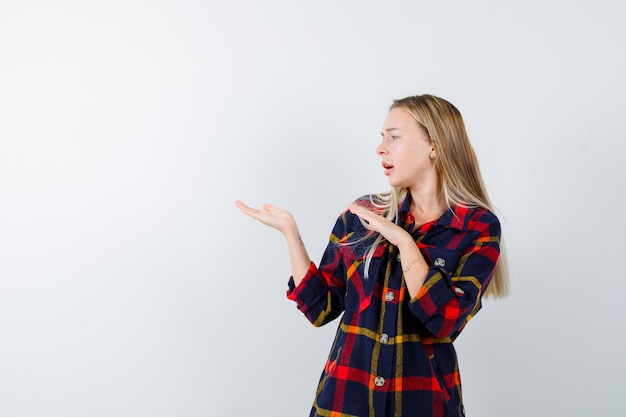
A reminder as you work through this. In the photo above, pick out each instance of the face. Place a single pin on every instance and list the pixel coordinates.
(405, 150)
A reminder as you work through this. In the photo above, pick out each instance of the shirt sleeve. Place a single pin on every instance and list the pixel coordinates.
(449, 299)
(321, 294)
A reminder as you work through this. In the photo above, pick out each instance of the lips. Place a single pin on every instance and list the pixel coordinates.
(387, 167)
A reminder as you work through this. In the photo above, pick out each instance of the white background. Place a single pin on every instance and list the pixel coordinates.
(130, 285)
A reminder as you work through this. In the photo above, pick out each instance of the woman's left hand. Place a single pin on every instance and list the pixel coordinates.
(391, 231)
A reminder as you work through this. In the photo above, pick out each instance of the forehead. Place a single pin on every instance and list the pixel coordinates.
(399, 118)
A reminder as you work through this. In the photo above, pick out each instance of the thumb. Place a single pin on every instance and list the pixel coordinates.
(269, 207)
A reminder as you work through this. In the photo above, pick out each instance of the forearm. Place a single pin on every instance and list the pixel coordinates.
(298, 255)
(414, 267)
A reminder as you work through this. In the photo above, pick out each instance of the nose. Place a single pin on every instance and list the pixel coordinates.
(381, 149)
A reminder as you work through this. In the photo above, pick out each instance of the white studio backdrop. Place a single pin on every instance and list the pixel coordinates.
(130, 285)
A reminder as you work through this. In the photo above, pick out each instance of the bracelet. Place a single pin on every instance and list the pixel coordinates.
(410, 265)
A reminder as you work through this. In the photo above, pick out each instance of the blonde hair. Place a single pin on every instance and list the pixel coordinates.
(458, 173)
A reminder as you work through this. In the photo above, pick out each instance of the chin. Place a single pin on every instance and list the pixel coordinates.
(397, 184)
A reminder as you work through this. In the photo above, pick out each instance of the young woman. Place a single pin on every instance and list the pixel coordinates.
(407, 268)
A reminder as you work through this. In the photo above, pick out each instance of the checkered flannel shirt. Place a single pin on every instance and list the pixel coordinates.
(392, 354)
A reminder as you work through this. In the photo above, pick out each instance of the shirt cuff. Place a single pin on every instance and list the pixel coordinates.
(294, 291)
(436, 292)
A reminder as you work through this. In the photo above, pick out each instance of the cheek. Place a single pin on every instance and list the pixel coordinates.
(410, 156)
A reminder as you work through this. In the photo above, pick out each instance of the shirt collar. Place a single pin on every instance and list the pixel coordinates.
(456, 217)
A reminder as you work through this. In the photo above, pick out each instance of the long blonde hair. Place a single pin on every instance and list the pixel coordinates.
(458, 173)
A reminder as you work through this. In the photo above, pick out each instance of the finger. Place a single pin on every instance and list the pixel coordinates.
(252, 212)
(246, 209)
(362, 213)
(269, 208)
(354, 209)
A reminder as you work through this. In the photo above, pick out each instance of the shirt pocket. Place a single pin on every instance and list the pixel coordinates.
(438, 376)
(445, 259)
(360, 288)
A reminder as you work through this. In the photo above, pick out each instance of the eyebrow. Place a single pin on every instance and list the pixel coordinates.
(390, 129)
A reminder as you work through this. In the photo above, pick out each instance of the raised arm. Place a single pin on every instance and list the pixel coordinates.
(414, 266)
(284, 222)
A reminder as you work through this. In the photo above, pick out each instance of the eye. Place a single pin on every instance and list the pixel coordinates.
(394, 137)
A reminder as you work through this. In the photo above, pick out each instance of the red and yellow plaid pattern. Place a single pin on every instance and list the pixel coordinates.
(392, 355)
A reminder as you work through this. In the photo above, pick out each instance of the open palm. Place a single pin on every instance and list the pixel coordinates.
(270, 215)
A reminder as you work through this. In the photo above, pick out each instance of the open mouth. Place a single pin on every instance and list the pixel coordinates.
(387, 167)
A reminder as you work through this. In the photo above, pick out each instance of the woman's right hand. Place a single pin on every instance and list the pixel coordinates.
(272, 216)
(284, 222)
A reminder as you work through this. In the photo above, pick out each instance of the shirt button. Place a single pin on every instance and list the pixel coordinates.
(384, 338)
(389, 296)
(379, 381)
(398, 258)
(440, 262)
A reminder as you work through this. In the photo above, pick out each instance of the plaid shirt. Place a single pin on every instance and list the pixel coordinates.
(393, 355)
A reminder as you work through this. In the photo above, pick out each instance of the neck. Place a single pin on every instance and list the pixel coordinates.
(424, 203)
(427, 204)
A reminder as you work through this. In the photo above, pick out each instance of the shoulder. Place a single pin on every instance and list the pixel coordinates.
(472, 219)
(351, 222)
(372, 202)
(482, 220)
(481, 214)
(367, 200)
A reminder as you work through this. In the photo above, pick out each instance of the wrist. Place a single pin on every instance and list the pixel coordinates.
(291, 233)
(408, 245)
